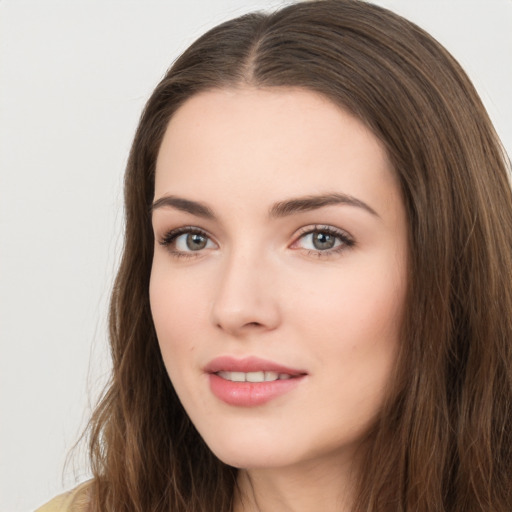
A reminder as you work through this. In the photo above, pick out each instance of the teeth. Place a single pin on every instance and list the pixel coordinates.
(253, 376)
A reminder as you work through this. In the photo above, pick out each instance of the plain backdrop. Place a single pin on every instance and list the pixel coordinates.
(74, 76)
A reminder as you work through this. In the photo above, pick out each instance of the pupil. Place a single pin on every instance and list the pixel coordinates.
(196, 242)
(323, 240)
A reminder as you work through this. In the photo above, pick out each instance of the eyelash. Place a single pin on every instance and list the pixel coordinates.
(171, 236)
(346, 240)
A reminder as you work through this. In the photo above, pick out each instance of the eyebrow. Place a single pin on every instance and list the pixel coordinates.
(184, 205)
(314, 202)
(278, 210)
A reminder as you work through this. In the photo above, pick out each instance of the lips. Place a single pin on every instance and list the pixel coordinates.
(253, 376)
(249, 364)
(251, 381)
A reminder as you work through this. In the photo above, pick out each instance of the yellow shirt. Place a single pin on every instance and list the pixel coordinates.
(76, 500)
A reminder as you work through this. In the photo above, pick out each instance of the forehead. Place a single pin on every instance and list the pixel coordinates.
(251, 143)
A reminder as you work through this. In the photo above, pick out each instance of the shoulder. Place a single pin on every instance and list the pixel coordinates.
(76, 500)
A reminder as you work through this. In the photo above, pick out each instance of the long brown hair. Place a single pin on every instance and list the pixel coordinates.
(443, 440)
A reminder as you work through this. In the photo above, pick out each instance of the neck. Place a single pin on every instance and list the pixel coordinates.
(329, 487)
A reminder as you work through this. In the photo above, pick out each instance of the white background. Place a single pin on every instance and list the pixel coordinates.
(74, 76)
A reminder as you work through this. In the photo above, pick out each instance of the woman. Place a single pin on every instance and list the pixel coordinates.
(313, 306)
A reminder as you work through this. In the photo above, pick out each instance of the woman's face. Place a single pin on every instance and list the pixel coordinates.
(278, 277)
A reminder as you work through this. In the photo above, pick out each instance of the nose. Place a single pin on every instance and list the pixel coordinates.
(246, 296)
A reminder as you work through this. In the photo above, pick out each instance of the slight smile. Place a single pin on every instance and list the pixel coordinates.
(253, 376)
(251, 381)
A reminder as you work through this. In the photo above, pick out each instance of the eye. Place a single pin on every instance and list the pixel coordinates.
(323, 239)
(191, 242)
(186, 240)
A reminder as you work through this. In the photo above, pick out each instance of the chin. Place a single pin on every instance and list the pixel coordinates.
(254, 459)
(246, 452)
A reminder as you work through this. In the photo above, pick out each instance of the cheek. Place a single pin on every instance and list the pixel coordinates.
(350, 304)
(177, 309)
(352, 327)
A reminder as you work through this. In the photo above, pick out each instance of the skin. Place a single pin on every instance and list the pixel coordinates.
(259, 286)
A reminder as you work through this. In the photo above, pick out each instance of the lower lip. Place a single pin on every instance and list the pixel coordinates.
(250, 394)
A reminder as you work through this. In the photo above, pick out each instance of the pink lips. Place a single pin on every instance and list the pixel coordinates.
(250, 394)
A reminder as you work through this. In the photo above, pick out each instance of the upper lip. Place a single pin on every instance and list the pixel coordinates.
(248, 364)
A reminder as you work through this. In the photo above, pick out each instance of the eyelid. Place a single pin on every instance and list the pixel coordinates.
(171, 235)
(347, 240)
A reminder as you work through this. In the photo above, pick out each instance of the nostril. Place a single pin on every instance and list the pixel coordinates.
(243, 326)
(253, 324)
